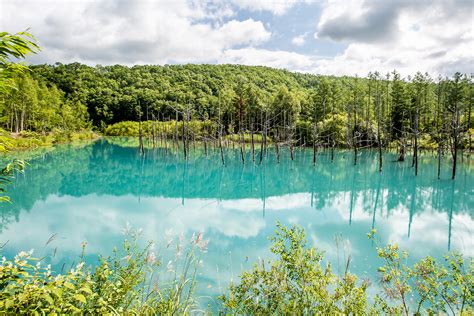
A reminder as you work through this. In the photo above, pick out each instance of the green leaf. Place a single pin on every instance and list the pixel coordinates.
(57, 291)
(8, 303)
(86, 290)
(69, 286)
(48, 298)
(81, 298)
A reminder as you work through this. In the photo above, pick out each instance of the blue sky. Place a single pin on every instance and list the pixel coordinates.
(341, 37)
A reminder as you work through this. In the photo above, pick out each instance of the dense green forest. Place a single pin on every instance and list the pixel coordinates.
(289, 109)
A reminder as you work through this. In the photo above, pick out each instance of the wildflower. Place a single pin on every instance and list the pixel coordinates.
(150, 258)
(23, 255)
(127, 258)
(84, 244)
(199, 238)
(203, 245)
(126, 230)
(80, 266)
(200, 242)
(169, 241)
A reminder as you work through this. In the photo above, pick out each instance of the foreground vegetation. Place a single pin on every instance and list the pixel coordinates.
(295, 282)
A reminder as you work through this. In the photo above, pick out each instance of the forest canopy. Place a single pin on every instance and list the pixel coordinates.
(305, 108)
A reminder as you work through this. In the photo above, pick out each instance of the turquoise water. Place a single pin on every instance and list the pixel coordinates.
(70, 194)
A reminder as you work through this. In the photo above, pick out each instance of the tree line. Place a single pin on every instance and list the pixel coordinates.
(292, 109)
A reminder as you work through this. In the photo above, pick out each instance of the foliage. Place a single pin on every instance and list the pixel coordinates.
(34, 106)
(122, 283)
(247, 138)
(249, 98)
(437, 288)
(295, 283)
(193, 129)
(29, 140)
(17, 46)
(6, 176)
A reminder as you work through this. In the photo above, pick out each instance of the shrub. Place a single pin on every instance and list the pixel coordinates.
(122, 283)
(295, 283)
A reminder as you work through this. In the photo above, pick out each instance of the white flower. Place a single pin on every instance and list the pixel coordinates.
(80, 266)
(127, 258)
(200, 242)
(150, 258)
(126, 230)
(23, 255)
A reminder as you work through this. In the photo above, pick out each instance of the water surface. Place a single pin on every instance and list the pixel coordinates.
(89, 193)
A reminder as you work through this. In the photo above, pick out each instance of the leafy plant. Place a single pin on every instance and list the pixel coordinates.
(295, 283)
(122, 283)
(434, 288)
(6, 176)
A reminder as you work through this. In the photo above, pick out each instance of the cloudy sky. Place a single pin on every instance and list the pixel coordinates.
(318, 36)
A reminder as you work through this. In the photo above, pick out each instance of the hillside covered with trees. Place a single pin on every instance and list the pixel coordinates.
(289, 108)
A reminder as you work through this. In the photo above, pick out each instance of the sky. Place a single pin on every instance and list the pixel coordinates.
(330, 37)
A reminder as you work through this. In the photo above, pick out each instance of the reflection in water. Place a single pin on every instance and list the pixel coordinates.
(88, 194)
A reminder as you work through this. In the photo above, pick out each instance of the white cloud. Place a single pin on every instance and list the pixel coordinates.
(130, 32)
(409, 36)
(277, 7)
(277, 59)
(436, 37)
(299, 40)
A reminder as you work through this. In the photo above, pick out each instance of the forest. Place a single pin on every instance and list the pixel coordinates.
(250, 104)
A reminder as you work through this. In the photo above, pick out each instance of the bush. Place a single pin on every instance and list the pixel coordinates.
(122, 283)
(257, 138)
(196, 129)
(296, 283)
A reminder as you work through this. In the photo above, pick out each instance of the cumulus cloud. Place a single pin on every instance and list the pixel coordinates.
(131, 32)
(432, 36)
(278, 59)
(299, 40)
(409, 36)
(277, 7)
